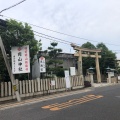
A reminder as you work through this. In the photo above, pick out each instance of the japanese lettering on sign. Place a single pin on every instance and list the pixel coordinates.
(42, 64)
(20, 59)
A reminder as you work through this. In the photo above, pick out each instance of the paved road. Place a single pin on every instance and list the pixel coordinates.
(98, 104)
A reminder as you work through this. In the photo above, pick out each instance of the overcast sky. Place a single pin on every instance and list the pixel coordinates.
(95, 20)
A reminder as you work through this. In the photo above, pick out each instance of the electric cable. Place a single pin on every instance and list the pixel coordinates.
(12, 6)
(60, 32)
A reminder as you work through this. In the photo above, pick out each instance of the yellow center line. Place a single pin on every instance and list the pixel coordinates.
(79, 102)
(57, 106)
(49, 106)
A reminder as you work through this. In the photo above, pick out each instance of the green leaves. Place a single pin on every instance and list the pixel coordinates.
(54, 44)
(88, 45)
(53, 63)
(18, 34)
(108, 58)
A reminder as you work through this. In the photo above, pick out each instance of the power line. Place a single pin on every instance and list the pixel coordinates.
(48, 39)
(61, 42)
(56, 38)
(60, 32)
(64, 41)
(51, 39)
(115, 50)
(12, 6)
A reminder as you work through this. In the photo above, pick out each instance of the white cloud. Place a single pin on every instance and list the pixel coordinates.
(96, 20)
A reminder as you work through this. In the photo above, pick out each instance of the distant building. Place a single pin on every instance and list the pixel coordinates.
(68, 61)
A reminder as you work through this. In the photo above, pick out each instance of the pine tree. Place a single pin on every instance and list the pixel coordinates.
(53, 63)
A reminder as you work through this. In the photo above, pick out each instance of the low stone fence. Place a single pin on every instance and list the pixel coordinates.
(38, 86)
(113, 80)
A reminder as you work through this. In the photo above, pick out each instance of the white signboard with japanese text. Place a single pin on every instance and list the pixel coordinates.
(67, 79)
(72, 71)
(20, 59)
(42, 64)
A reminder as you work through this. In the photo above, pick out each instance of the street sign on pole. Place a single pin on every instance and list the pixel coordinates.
(20, 59)
(9, 70)
(42, 64)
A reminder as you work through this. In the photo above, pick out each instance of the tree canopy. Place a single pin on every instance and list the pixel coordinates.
(53, 63)
(88, 62)
(15, 33)
(108, 58)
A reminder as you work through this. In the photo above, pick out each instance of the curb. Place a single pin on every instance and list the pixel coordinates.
(102, 85)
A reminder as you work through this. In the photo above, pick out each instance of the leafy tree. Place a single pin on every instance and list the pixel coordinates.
(87, 62)
(108, 58)
(88, 45)
(53, 63)
(17, 34)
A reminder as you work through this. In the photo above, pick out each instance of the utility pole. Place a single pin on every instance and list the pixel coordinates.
(9, 70)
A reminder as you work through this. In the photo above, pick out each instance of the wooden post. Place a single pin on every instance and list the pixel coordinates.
(38, 83)
(6, 89)
(9, 88)
(98, 69)
(9, 70)
(20, 82)
(26, 86)
(35, 85)
(23, 84)
(30, 88)
(2, 89)
(56, 82)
